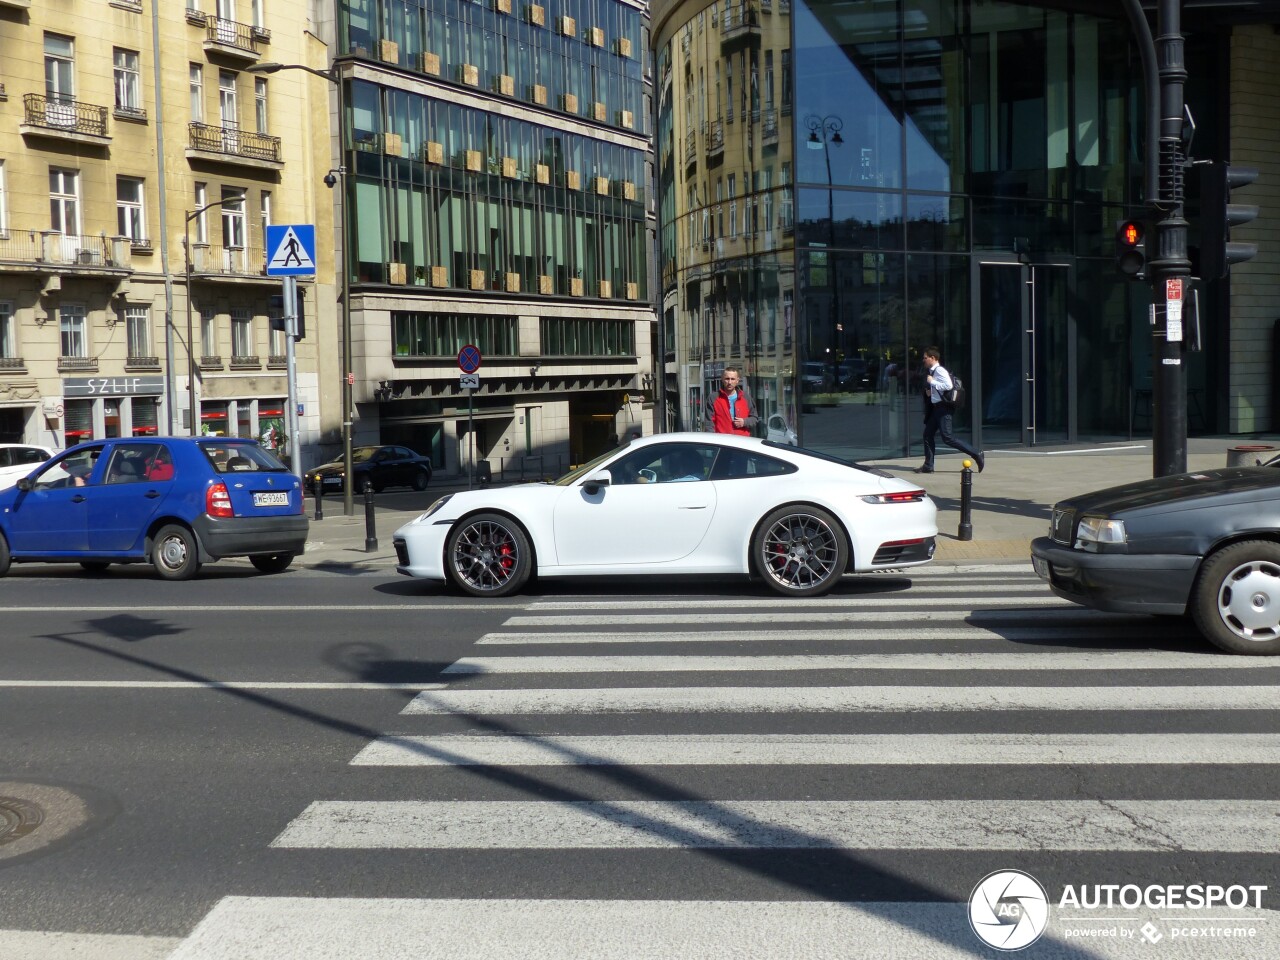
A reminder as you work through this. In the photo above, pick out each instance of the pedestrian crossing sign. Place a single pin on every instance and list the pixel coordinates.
(291, 250)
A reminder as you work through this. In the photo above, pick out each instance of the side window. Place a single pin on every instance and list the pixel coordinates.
(29, 455)
(5, 460)
(129, 462)
(72, 470)
(161, 465)
(742, 464)
(664, 463)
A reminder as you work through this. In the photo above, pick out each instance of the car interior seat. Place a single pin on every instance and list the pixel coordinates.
(239, 463)
(126, 470)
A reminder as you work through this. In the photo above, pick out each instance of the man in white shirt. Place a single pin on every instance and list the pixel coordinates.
(938, 416)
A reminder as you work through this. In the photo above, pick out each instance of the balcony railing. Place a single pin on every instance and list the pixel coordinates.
(739, 21)
(229, 140)
(715, 138)
(691, 147)
(210, 259)
(232, 36)
(769, 133)
(12, 363)
(62, 115)
(50, 248)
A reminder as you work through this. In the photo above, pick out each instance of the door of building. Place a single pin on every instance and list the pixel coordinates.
(1022, 326)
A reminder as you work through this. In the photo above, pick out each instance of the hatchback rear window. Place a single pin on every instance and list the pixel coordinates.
(241, 458)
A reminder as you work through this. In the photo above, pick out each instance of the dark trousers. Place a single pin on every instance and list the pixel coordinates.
(939, 422)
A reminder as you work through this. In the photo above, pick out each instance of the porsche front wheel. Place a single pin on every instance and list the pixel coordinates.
(488, 555)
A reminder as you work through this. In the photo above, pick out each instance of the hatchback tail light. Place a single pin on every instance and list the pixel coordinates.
(217, 501)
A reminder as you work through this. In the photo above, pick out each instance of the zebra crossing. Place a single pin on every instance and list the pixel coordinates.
(691, 777)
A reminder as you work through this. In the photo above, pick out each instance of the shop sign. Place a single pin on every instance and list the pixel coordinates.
(111, 386)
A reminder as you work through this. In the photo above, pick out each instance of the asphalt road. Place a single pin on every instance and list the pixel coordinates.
(370, 766)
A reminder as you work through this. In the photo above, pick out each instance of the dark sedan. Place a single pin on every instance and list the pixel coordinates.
(1205, 544)
(375, 468)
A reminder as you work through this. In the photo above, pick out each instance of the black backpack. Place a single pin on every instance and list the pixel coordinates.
(955, 396)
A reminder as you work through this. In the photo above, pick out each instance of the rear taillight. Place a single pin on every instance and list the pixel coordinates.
(217, 501)
(906, 496)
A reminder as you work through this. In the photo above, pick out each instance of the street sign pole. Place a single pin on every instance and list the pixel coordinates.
(471, 433)
(291, 331)
(469, 362)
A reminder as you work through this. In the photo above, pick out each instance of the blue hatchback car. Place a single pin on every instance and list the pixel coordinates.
(174, 502)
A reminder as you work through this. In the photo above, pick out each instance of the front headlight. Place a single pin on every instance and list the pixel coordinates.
(1096, 530)
(435, 507)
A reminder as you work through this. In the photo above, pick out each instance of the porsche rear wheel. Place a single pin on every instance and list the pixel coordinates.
(800, 551)
(1236, 599)
(488, 555)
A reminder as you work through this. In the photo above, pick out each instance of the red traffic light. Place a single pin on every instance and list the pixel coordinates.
(1130, 233)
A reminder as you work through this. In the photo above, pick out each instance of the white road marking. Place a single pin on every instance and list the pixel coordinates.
(922, 749)
(56, 945)
(842, 600)
(1098, 633)
(904, 608)
(870, 699)
(427, 604)
(297, 928)
(217, 685)
(1165, 826)
(1029, 660)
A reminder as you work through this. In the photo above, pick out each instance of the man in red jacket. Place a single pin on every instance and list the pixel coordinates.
(731, 409)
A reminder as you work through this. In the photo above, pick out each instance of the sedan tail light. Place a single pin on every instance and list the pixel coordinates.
(217, 501)
(903, 496)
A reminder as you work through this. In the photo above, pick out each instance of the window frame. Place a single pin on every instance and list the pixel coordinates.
(73, 330)
(131, 214)
(127, 81)
(8, 332)
(137, 324)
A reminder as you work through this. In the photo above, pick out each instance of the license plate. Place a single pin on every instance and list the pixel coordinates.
(1041, 567)
(271, 499)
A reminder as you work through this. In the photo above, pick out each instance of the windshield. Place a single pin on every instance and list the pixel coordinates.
(578, 472)
(361, 454)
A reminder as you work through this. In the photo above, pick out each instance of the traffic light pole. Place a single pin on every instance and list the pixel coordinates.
(1170, 269)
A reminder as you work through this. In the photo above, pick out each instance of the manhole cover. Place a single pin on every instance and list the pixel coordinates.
(18, 818)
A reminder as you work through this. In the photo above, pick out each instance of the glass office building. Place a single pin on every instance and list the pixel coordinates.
(842, 184)
(497, 158)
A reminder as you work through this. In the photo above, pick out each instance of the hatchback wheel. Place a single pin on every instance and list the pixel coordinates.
(1236, 599)
(800, 551)
(488, 555)
(421, 479)
(175, 554)
(271, 562)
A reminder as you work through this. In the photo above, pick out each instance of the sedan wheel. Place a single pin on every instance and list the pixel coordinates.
(421, 479)
(800, 551)
(175, 554)
(1236, 601)
(488, 556)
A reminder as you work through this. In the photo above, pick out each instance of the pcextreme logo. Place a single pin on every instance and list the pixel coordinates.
(1008, 910)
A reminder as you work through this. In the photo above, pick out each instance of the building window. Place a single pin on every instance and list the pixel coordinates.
(72, 325)
(233, 237)
(128, 82)
(137, 321)
(4, 210)
(733, 205)
(241, 333)
(574, 337)
(208, 333)
(64, 201)
(130, 217)
(8, 335)
(196, 82)
(202, 221)
(276, 346)
(444, 334)
(260, 103)
(59, 70)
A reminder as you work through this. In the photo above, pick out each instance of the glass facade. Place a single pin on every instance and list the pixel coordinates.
(941, 173)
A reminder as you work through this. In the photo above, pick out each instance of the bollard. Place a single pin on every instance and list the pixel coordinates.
(966, 502)
(370, 527)
(319, 498)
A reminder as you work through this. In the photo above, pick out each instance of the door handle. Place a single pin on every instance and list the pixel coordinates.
(78, 498)
(151, 494)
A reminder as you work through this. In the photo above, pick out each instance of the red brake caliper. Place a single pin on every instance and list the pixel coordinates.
(507, 557)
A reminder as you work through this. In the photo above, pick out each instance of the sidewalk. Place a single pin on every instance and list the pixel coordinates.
(1012, 498)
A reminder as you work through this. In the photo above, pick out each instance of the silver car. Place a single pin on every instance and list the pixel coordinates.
(19, 459)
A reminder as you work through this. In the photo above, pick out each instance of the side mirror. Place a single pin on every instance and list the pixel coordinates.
(597, 481)
(24, 484)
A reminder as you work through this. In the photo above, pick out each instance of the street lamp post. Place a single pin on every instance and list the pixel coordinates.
(824, 131)
(191, 350)
(335, 77)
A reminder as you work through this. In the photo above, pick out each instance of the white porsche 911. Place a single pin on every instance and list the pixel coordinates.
(678, 503)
